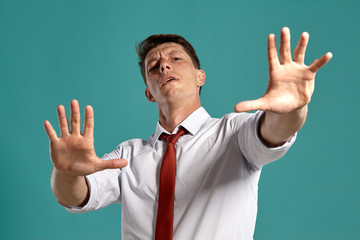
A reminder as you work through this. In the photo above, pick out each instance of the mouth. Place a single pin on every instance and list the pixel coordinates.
(167, 80)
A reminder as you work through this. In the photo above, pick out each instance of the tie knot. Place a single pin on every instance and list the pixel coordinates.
(173, 137)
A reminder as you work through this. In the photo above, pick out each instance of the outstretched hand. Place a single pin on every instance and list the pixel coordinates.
(291, 82)
(73, 153)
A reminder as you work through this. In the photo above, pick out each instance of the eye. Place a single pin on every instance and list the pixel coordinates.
(176, 58)
(153, 67)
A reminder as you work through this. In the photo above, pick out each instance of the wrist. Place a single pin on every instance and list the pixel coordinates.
(66, 178)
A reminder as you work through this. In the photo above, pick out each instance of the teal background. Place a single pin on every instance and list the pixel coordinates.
(54, 51)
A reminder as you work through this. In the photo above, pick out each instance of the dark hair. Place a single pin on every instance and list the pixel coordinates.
(153, 41)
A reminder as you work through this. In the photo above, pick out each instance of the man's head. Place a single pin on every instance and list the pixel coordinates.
(144, 47)
(168, 55)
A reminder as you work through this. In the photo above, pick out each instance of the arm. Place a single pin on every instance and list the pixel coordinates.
(69, 190)
(74, 157)
(275, 129)
(291, 85)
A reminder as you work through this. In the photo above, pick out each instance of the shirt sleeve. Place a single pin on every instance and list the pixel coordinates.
(255, 152)
(104, 186)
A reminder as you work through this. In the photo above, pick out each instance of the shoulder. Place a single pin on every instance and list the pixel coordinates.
(135, 142)
(238, 120)
(129, 147)
(236, 116)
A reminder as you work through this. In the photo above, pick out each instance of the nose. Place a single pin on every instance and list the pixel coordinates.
(164, 65)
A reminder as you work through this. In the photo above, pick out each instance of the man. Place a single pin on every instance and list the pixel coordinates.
(218, 161)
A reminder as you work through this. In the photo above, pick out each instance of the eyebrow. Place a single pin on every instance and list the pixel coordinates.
(168, 54)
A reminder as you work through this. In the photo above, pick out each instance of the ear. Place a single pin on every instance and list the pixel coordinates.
(200, 77)
(149, 96)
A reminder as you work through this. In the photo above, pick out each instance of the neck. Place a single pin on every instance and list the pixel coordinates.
(171, 116)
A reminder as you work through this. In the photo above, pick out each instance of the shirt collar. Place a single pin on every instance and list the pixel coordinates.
(192, 124)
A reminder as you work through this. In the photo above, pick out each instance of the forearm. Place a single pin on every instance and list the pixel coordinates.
(69, 190)
(275, 129)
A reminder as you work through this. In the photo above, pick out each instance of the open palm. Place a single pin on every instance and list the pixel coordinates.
(73, 153)
(291, 82)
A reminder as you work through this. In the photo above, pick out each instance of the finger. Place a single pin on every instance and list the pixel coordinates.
(50, 131)
(285, 49)
(63, 122)
(110, 164)
(252, 105)
(273, 58)
(75, 117)
(319, 63)
(299, 53)
(89, 122)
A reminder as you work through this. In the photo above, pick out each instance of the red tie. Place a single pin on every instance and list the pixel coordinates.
(165, 214)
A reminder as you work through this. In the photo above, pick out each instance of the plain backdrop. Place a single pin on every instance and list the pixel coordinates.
(55, 51)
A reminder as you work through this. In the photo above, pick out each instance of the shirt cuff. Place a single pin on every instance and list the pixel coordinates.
(254, 150)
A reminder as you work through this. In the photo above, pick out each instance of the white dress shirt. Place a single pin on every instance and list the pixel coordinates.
(218, 165)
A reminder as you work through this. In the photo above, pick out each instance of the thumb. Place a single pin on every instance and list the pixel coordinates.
(247, 106)
(110, 164)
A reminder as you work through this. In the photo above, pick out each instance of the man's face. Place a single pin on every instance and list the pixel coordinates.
(171, 74)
